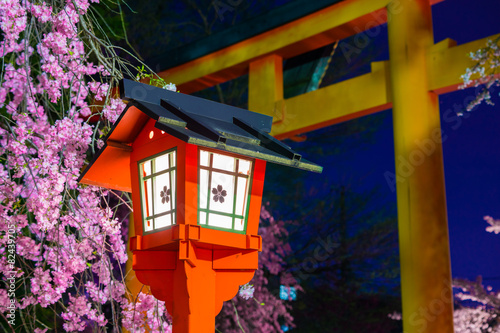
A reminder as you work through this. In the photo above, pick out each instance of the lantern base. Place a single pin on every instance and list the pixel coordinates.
(195, 288)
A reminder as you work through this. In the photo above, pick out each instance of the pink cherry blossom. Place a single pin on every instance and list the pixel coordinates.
(246, 291)
(494, 225)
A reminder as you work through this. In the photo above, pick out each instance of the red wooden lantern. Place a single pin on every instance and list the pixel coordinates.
(196, 172)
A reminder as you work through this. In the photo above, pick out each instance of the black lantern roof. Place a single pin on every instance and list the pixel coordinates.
(208, 124)
(190, 119)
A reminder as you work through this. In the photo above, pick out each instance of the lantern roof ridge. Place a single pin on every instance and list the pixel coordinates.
(210, 124)
(144, 93)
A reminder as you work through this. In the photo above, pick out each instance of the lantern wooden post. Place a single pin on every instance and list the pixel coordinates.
(194, 292)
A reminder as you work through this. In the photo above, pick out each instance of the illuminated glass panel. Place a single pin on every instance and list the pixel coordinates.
(158, 190)
(224, 191)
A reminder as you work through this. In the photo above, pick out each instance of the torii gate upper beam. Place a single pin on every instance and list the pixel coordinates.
(446, 61)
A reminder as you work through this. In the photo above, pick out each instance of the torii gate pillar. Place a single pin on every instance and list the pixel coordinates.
(423, 227)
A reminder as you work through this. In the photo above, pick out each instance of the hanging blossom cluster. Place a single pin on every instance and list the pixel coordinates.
(62, 246)
(484, 73)
(146, 312)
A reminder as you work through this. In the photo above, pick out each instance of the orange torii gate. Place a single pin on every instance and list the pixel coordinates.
(409, 83)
